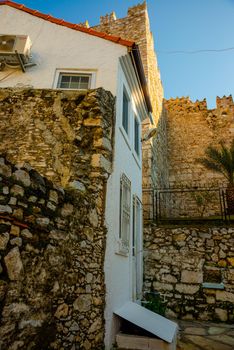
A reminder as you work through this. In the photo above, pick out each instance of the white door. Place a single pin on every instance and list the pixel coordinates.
(136, 250)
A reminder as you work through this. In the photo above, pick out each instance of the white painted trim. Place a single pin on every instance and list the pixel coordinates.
(137, 93)
(71, 71)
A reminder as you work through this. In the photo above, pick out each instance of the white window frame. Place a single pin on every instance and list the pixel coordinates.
(136, 119)
(124, 215)
(125, 92)
(73, 72)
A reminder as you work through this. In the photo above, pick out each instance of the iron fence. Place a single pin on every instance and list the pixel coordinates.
(186, 204)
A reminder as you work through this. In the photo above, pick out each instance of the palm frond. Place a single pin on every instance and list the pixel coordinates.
(220, 160)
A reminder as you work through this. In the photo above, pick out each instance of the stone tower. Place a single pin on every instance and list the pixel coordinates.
(136, 27)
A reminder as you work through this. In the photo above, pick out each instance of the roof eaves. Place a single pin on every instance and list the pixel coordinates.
(70, 25)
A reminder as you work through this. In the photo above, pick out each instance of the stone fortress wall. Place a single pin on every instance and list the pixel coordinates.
(52, 232)
(180, 261)
(191, 128)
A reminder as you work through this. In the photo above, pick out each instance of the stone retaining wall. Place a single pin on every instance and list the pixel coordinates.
(179, 260)
(64, 135)
(52, 238)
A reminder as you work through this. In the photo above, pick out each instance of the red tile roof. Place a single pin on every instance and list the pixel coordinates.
(61, 22)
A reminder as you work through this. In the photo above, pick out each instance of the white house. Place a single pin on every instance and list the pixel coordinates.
(51, 53)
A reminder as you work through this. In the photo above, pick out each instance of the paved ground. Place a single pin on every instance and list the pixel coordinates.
(205, 336)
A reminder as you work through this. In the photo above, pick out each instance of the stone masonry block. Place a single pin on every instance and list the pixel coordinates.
(14, 264)
(187, 289)
(191, 276)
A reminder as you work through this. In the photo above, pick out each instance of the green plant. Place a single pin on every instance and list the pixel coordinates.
(154, 302)
(202, 199)
(220, 160)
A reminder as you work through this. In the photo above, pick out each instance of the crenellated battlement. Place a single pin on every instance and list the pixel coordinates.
(224, 105)
(224, 102)
(184, 104)
(108, 18)
(132, 11)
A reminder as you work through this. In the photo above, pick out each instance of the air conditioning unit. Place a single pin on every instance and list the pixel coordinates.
(14, 46)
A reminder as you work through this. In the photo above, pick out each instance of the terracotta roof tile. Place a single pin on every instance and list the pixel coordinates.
(73, 26)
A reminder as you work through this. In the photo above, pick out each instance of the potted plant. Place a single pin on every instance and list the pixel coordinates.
(221, 160)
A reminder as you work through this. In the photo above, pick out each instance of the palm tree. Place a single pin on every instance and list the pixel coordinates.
(221, 160)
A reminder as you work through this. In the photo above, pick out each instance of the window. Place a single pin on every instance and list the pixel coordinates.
(137, 135)
(125, 120)
(74, 81)
(125, 213)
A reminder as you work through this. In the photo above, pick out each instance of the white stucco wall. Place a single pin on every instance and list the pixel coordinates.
(118, 268)
(57, 47)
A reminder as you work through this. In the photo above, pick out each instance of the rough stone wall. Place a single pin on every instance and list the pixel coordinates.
(65, 136)
(177, 262)
(191, 128)
(52, 239)
(136, 27)
(155, 156)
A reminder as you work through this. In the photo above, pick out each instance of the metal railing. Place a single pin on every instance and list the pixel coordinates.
(186, 204)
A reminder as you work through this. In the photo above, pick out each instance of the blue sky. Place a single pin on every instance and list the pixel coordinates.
(186, 25)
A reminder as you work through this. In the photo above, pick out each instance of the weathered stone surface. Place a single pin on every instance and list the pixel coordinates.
(16, 241)
(18, 213)
(231, 261)
(62, 311)
(15, 230)
(99, 161)
(57, 274)
(187, 289)
(221, 314)
(77, 185)
(216, 330)
(195, 330)
(5, 209)
(5, 170)
(97, 324)
(32, 323)
(14, 264)
(53, 196)
(26, 233)
(23, 177)
(83, 303)
(181, 274)
(191, 276)
(17, 190)
(93, 217)
(43, 222)
(186, 121)
(67, 209)
(225, 296)
(4, 238)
